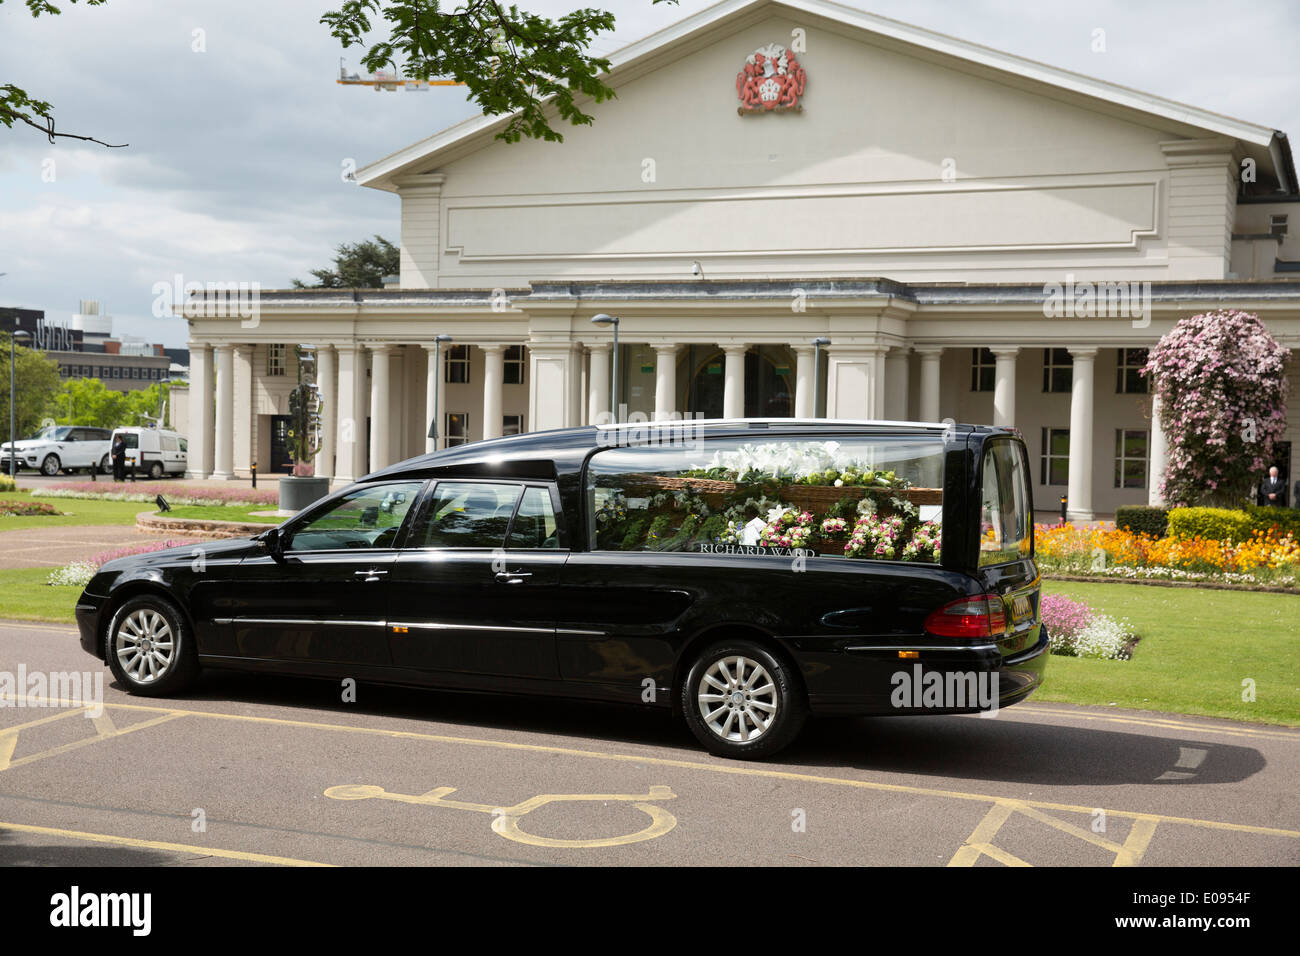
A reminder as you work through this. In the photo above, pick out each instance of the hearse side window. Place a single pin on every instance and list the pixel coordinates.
(467, 514)
(872, 497)
(1006, 517)
(535, 525)
(369, 517)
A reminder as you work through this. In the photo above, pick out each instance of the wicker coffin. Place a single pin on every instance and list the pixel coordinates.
(814, 498)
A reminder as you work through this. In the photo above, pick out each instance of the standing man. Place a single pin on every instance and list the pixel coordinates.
(1272, 490)
(118, 454)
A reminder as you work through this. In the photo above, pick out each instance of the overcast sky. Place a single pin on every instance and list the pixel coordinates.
(233, 172)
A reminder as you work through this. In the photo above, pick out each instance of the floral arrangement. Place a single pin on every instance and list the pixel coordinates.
(924, 544)
(835, 527)
(811, 463)
(876, 537)
(788, 529)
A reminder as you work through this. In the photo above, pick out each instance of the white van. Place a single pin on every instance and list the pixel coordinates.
(154, 451)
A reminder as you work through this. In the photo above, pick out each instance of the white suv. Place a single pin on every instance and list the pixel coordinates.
(61, 448)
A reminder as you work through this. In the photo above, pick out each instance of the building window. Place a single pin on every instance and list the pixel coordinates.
(135, 373)
(1056, 457)
(1058, 370)
(456, 428)
(117, 371)
(276, 358)
(1130, 458)
(1128, 376)
(982, 367)
(515, 365)
(512, 424)
(1277, 226)
(457, 365)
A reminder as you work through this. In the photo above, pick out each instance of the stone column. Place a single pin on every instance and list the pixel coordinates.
(896, 375)
(733, 386)
(494, 377)
(931, 360)
(199, 440)
(224, 445)
(805, 385)
(243, 420)
(598, 410)
(549, 382)
(665, 381)
(1159, 456)
(432, 398)
(329, 411)
(380, 424)
(1004, 386)
(1079, 493)
(350, 460)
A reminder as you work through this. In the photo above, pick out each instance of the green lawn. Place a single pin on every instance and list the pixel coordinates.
(24, 596)
(223, 513)
(1197, 647)
(83, 511)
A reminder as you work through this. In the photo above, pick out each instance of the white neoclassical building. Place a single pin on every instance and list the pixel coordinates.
(978, 237)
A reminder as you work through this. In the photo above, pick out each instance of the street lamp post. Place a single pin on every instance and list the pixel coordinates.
(817, 375)
(604, 319)
(13, 439)
(437, 379)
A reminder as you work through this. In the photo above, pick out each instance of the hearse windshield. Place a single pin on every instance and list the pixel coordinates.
(875, 497)
(1006, 515)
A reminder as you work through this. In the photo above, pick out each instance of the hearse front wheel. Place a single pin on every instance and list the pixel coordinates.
(741, 701)
(150, 648)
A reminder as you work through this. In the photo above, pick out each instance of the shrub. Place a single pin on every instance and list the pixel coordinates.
(27, 508)
(1211, 524)
(1222, 383)
(1284, 520)
(1143, 519)
(1065, 619)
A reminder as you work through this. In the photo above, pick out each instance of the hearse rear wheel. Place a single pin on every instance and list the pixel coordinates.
(741, 701)
(150, 647)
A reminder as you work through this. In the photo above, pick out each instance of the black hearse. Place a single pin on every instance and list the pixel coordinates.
(745, 573)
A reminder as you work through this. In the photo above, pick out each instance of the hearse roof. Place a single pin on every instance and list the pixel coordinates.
(542, 454)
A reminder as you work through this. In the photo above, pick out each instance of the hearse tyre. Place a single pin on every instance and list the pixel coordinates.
(150, 650)
(741, 701)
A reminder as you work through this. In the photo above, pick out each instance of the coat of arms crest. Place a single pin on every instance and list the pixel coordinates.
(771, 81)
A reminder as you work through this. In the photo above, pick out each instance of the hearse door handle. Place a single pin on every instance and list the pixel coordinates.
(513, 577)
(371, 575)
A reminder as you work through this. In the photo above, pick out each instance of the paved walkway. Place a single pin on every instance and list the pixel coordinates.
(56, 546)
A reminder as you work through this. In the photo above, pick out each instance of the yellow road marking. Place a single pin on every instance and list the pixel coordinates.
(9, 735)
(505, 820)
(101, 734)
(158, 845)
(980, 842)
(727, 769)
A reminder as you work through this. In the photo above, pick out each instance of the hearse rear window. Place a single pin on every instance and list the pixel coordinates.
(875, 498)
(1006, 514)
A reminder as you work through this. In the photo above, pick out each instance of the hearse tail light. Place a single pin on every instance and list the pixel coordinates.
(974, 617)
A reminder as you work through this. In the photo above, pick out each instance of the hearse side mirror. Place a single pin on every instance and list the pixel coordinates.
(272, 542)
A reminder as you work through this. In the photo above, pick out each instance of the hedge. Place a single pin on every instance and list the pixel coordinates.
(1227, 524)
(1143, 519)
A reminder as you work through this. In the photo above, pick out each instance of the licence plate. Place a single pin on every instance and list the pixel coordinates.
(1021, 608)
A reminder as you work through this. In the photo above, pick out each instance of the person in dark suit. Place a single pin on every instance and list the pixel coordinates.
(118, 453)
(1272, 490)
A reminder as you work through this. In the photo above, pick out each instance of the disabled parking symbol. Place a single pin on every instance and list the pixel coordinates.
(505, 820)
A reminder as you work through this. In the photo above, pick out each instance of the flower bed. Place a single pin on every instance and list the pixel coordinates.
(174, 493)
(1077, 630)
(79, 573)
(1266, 558)
(21, 509)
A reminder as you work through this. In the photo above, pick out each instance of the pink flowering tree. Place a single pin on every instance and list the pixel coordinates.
(1222, 383)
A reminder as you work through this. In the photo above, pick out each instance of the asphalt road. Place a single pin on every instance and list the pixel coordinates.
(252, 770)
